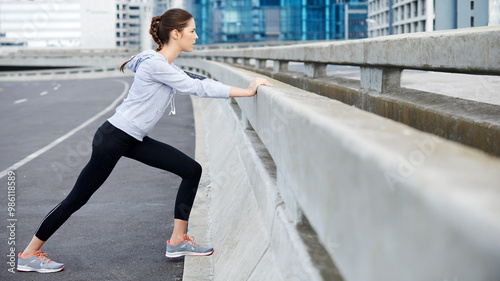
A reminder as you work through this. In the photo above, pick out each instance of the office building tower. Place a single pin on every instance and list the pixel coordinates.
(387, 17)
(452, 14)
(133, 19)
(222, 21)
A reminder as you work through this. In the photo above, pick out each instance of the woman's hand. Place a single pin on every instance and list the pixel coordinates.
(251, 90)
(256, 82)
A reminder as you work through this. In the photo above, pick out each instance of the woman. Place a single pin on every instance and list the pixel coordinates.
(125, 134)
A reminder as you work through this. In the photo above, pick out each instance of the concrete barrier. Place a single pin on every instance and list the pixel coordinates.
(379, 90)
(65, 74)
(306, 188)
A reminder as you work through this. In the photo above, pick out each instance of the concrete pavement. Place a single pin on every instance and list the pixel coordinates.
(121, 233)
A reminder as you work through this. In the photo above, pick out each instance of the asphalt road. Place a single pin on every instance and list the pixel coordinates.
(121, 233)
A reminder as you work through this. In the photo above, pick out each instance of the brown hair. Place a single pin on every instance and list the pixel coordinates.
(161, 26)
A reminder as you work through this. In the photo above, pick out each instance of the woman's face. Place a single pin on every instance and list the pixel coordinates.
(188, 37)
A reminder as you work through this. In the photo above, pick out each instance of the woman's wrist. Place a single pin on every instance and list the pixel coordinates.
(239, 92)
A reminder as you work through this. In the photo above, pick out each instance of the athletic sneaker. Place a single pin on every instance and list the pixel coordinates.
(187, 248)
(39, 263)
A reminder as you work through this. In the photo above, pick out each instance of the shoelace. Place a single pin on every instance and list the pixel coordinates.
(190, 239)
(43, 257)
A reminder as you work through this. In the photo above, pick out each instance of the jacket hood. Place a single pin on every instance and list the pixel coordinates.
(138, 59)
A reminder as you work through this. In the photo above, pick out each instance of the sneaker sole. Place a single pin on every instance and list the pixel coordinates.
(25, 268)
(181, 254)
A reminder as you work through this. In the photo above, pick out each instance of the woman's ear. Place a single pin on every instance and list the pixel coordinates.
(175, 34)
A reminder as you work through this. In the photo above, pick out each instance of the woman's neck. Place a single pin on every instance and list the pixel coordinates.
(170, 53)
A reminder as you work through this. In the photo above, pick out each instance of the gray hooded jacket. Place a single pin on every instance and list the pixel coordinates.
(155, 84)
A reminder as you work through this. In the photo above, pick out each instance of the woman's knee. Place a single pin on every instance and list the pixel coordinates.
(197, 170)
(194, 171)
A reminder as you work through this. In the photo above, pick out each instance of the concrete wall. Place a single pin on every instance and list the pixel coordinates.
(307, 188)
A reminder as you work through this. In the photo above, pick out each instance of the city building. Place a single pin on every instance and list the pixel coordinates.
(133, 19)
(52, 23)
(348, 20)
(387, 17)
(162, 5)
(84, 24)
(494, 13)
(452, 14)
(221, 21)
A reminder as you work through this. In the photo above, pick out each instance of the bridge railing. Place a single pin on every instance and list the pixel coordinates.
(381, 61)
(64, 57)
(64, 73)
(473, 51)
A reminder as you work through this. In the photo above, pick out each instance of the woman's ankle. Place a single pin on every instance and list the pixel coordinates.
(176, 239)
(34, 245)
(27, 254)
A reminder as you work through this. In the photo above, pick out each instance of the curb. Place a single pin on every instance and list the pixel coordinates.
(200, 268)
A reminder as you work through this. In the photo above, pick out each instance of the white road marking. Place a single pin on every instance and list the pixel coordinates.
(68, 134)
(44, 93)
(20, 101)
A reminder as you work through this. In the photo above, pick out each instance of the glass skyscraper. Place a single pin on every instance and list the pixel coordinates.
(221, 21)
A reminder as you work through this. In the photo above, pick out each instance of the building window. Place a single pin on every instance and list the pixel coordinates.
(471, 21)
(472, 5)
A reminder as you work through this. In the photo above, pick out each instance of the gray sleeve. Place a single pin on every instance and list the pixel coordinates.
(165, 73)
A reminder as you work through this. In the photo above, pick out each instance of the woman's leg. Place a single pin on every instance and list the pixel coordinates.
(179, 231)
(107, 148)
(166, 157)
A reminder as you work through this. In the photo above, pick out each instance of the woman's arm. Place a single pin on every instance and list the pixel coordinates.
(251, 90)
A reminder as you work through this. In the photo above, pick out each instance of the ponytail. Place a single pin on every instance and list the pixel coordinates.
(154, 30)
(125, 63)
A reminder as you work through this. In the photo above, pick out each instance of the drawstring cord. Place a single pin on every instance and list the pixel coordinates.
(172, 105)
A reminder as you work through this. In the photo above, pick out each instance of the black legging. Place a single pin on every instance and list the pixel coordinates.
(108, 145)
